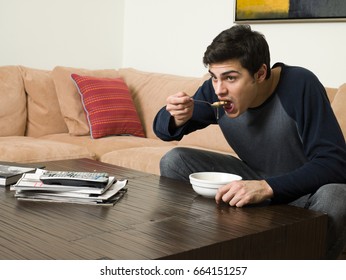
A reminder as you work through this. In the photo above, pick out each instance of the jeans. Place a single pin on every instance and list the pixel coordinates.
(180, 162)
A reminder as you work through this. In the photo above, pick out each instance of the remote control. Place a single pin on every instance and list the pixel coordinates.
(73, 178)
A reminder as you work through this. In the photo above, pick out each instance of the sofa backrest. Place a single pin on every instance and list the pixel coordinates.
(38, 102)
(12, 102)
(331, 92)
(44, 114)
(28, 103)
(339, 105)
(150, 90)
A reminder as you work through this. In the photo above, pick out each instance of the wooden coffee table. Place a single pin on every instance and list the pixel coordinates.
(158, 218)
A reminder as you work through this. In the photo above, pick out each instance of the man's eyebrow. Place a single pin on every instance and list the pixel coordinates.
(225, 73)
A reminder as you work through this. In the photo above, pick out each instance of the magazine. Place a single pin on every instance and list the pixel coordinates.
(10, 174)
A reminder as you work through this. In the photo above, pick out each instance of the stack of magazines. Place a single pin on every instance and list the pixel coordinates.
(30, 187)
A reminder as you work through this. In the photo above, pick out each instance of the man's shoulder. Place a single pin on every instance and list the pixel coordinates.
(297, 73)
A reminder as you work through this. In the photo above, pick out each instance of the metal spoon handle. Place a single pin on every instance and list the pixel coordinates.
(215, 104)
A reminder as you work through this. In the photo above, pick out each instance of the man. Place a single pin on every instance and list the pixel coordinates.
(278, 121)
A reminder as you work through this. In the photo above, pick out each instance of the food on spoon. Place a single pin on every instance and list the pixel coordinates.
(219, 103)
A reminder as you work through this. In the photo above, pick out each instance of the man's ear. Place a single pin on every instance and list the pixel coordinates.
(261, 73)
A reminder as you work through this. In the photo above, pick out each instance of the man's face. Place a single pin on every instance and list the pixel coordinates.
(234, 84)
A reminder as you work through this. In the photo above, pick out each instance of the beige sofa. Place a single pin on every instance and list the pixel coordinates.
(42, 117)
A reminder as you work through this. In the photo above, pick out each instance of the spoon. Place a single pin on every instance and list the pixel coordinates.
(215, 104)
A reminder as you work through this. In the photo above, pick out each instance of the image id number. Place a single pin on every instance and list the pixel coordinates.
(231, 270)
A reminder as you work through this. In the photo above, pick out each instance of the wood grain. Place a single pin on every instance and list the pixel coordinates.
(158, 218)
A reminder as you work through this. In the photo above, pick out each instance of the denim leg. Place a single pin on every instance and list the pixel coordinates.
(180, 162)
(329, 199)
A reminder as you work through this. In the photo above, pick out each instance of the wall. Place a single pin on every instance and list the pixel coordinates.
(46, 33)
(171, 36)
(155, 35)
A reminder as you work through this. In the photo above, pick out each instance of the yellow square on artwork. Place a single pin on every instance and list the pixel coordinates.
(253, 9)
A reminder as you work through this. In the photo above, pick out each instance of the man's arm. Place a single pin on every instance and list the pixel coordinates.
(182, 116)
(322, 140)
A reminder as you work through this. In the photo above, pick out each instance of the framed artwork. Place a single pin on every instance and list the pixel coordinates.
(252, 11)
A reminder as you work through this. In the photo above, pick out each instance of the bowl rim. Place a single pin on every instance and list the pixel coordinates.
(191, 176)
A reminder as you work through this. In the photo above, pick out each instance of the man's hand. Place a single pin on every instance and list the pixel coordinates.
(240, 193)
(180, 106)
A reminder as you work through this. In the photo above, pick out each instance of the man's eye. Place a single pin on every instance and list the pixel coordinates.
(231, 78)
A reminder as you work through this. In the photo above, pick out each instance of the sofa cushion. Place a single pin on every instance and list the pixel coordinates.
(44, 115)
(146, 159)
(105, 145)
(339, 105)
(109, 107)
(69, 99)
(150, 91)
(28, 149)
(13, 102)
(210, 137)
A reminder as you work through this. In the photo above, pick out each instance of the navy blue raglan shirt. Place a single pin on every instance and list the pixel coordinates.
(292, 140)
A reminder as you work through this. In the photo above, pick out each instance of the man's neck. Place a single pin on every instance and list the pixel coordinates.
(268, 86)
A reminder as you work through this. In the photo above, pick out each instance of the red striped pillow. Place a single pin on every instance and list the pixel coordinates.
(109, 106)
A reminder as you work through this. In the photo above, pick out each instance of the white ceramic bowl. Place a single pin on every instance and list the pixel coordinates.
(207, 183)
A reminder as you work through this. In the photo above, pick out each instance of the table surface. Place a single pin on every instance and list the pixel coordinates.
(158, 218)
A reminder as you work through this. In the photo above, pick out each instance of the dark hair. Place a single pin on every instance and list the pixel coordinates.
(241, 43)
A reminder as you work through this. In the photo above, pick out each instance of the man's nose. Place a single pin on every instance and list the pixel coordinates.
(219, 88)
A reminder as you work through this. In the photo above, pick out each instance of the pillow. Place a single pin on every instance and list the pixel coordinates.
(109, 106)
(69, 100)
